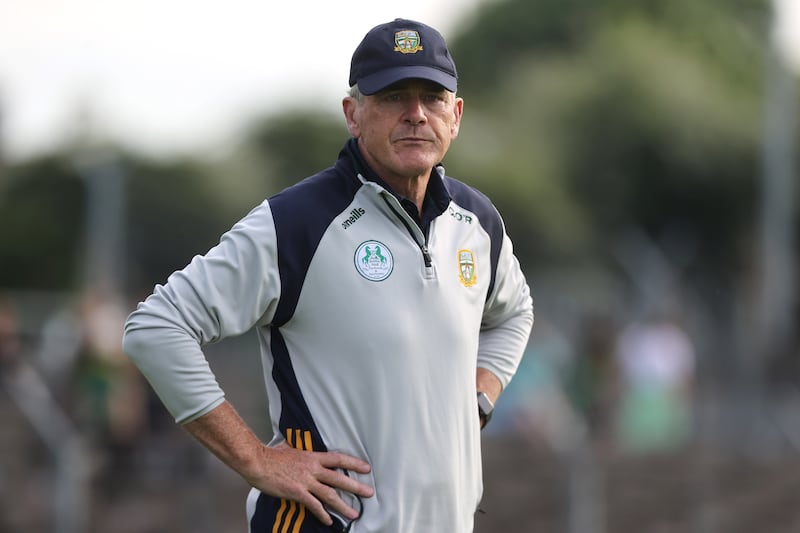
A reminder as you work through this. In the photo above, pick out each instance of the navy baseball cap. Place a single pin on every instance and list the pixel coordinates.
(399, 50)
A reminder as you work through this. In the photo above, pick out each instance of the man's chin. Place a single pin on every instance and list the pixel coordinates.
(419, 164)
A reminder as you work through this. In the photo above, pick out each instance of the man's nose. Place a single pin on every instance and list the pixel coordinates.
(415, 111)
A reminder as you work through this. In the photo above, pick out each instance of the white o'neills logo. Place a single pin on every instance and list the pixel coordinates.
(374, 260)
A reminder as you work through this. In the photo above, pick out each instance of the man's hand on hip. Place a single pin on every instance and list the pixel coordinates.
(309, 478)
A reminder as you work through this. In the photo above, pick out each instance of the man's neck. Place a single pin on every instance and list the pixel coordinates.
(412, 188)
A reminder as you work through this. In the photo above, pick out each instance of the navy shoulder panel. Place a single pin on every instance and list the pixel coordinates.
(302, 213)
(475, 201)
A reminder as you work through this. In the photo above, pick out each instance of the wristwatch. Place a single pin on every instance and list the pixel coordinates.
(485, 408)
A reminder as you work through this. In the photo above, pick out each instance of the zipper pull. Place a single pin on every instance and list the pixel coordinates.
(426, 255)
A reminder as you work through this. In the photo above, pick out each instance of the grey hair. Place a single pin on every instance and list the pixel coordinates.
(356, 94)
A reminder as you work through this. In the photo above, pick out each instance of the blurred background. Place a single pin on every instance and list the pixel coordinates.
(643, 154)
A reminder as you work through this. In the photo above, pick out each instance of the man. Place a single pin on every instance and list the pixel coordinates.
(390, 309)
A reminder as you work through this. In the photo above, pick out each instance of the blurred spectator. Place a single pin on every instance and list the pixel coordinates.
(9, 334)
(111, 394)
(656, 360)
(535, 404)
(58, 349)
(592, 379)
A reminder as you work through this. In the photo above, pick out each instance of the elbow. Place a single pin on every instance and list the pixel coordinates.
(134, 343)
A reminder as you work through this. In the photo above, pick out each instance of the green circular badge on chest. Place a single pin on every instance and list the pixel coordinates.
(374, 260)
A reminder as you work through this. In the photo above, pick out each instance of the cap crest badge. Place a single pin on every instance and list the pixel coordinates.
(407, 42)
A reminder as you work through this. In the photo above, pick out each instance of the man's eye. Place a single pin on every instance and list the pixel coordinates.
(435, 99)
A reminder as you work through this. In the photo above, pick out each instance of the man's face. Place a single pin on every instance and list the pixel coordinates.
(406, 129)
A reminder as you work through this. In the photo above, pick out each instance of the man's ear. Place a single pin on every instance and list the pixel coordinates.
(458, 111)
(350, 108)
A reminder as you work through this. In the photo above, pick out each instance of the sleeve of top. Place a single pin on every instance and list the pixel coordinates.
(507, 318)
(223, 293)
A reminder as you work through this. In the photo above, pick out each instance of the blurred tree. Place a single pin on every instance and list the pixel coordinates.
(175, 211)
(585, 118)
(42, 209)
(297, 143)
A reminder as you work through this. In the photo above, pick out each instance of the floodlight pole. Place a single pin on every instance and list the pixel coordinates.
(63, 440)
(776, 305)
(774, 318)
(105, 222)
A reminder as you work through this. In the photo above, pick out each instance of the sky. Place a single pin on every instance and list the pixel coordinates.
(178, 76)
(169, 76)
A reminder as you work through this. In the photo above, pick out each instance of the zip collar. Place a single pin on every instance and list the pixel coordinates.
(437, 197)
